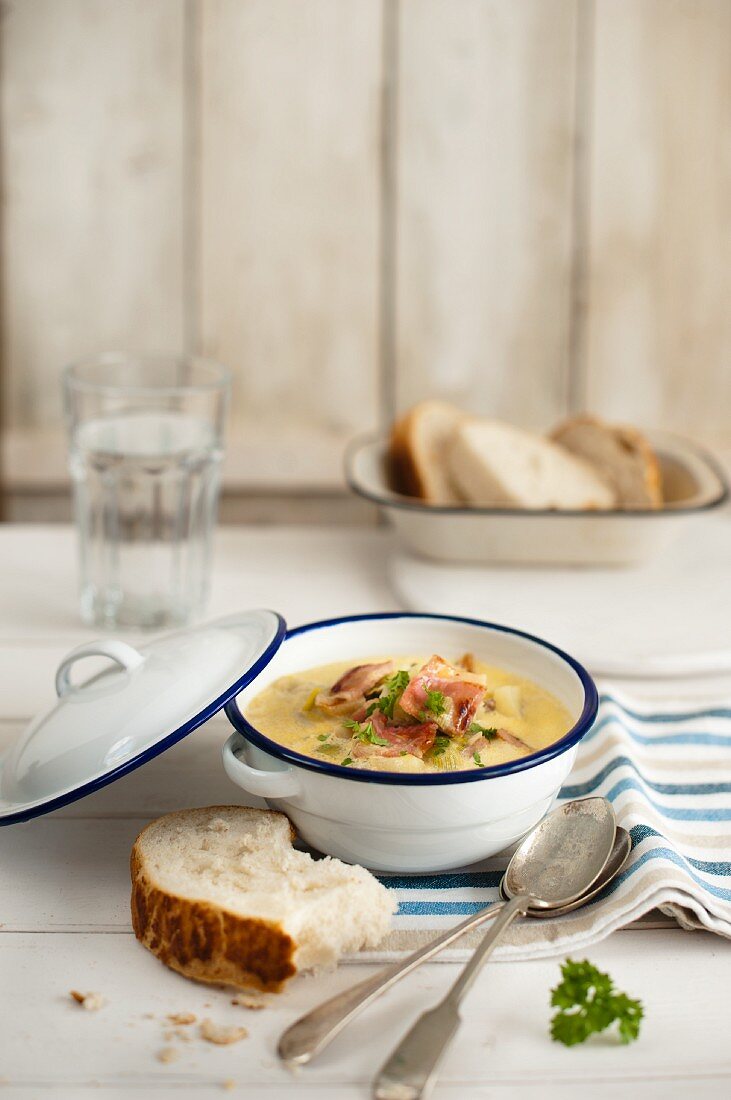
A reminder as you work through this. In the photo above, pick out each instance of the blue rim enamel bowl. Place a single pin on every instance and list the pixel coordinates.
(411, 822)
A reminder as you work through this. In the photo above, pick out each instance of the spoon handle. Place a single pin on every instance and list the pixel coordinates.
(411, 1070)
(314, 1031)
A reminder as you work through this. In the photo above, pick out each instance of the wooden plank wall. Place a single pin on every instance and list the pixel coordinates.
(483, 213)
(92, 117)
(525, 206)
(658, 343)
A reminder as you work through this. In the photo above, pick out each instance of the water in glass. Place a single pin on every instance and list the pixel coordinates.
(146, 487)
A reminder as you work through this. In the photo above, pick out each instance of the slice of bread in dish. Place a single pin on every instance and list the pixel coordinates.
(622, 456)
(419, 441)
(220, 895)
(499, 465)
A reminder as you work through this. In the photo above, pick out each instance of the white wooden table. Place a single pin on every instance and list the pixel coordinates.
(64, 919)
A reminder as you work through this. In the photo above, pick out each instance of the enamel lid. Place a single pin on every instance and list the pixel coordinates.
(150, 698)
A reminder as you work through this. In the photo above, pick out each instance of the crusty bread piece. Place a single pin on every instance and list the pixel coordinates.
(220, 895)
(496, 464)
(621, 455)
(419, 441)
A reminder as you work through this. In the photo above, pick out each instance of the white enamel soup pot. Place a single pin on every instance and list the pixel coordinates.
(410, 822)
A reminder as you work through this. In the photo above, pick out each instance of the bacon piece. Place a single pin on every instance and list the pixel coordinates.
(477, 744)
(506, 735)
(361, 679)
(348, 692)
(413, 739)
(463, 694)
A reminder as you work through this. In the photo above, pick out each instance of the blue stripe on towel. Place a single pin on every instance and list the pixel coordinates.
(710, 813)
(671, 716)
(710, 866)
(467, 908)
(440, 908)
(460, 881)
(673, 857)
(579, 790)
(654, 739)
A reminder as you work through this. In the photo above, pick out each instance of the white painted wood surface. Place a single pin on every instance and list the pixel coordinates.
(64, 892)
(483, 209)
(91, 109)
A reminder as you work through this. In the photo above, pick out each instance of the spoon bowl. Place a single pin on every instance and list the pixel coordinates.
(564, 855)
(617, 859)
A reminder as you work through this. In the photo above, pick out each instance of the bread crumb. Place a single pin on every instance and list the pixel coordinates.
(182, 1018)
(249, 1000)
(92, 1002)
(176, 1033)
(167, 1054)
(216, 1033)
(229, 1084)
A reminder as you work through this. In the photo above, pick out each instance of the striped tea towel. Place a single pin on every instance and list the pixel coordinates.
(667, 771)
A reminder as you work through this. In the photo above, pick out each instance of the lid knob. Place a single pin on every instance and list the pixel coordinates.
(125, 655)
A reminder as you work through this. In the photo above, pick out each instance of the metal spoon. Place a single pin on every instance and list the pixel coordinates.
(615, 863)
(310, 1034)
(557, 863)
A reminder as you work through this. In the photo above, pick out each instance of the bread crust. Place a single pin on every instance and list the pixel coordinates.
(415, 471)
(628, 438)
(202, 940)
(407, 478)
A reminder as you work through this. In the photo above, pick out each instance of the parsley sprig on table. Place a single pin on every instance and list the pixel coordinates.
(588, 1002)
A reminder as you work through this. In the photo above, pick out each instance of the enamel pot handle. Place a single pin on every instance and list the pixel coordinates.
(265, 784)
(126, 656)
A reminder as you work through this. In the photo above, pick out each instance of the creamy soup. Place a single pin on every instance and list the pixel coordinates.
(409, 714)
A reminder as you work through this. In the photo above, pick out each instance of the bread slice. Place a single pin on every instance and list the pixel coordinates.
(496, 464)
(220, 895)
(621, 455)
(419, 441)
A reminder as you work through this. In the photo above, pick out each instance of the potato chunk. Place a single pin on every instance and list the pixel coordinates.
(508, 700)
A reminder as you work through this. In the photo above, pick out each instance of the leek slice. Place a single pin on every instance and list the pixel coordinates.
(450, 760)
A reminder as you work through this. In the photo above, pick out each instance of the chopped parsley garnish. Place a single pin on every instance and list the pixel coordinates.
(441, 744)
(395, 686)
(488, 734)
(476, 758)
(364, 733)
(322, 736)
(436, 703)
(588, 1002)
(348, 760)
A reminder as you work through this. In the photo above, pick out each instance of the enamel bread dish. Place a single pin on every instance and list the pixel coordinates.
(693, 484)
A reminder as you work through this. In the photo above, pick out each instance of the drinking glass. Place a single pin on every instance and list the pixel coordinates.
(146, 443)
